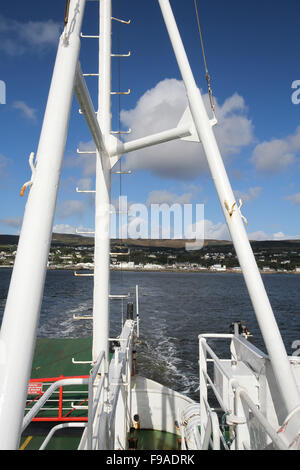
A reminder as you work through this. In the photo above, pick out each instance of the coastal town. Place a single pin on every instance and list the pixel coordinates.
(77, 254)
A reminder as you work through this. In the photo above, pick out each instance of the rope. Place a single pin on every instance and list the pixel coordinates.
(207, 76)
(66, 19)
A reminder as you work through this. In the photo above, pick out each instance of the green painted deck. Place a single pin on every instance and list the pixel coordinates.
(148, 439)
(53, 358)
(35, 434)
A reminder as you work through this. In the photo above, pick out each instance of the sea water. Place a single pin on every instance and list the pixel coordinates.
(174, 307)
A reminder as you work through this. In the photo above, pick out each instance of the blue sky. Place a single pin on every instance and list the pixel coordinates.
(253, 59)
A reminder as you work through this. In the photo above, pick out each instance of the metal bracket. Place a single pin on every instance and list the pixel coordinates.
(33, 170)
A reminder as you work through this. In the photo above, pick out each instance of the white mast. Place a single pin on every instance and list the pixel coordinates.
(265, 317)
(102, 197)
(21, 316)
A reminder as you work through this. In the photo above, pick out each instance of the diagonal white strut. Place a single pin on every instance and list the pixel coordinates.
(87, 108)
(265, 317)
(21, 316)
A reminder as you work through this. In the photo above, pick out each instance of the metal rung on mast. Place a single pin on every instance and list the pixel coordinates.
(81, 362)
(82, 317)
(121, 132)
(82, 152)
(121, 254)
(85, 190)
(76, 274)
(89, 36)
(90, 74)
(122, 172)
(121, 21)
(82, 233)
(119, 296)
(121, 55)
(121, 92)
(80, 112)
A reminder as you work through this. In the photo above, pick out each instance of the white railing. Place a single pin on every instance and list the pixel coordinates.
(106, 405)
(110, 415)
(57, 428)
(236, 410)
(242, 398)
(92, 400)
(120, 378)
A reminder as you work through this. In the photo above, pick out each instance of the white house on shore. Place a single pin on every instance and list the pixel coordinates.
(218, 267)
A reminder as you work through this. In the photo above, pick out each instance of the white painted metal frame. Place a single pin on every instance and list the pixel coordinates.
(21, 315)
(103, 186)
(20, 320)
(260, 301)
(240, 403)
(110, 414)
(96, 396)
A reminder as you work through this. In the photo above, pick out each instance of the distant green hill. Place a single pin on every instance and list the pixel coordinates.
(62, 239)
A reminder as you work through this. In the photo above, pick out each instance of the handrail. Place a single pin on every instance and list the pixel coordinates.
(121, 366)
(57, 428)
(276, 438)
(47, 381)
(116, 395)
(71, 381)
(93, 397)
(102, 411)
(93, 406)
(239, 393)
(59, 383)
(216, 359)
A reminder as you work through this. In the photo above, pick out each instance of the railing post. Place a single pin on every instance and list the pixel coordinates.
(202, 385)
(242, 436)
(90, 414)
(137, 311)
(60, 405)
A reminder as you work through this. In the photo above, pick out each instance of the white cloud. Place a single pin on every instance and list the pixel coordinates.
(278, 236)
(40, 33)
(212, 231)
(14, 222)
(70, 208)
(66, 228)
(219, 231)
(252, 194)
(277, 154)
(85, 184)
(86, 161)
(234, 130)
(28, 112)
(3, 163)
(166, 197)
(260, 235)
(161, 108)
(18, 37)
(295, 198)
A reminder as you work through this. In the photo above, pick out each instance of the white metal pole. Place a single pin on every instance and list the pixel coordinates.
(137, 311)
(257, 292)
(21, 316)
(102, 197)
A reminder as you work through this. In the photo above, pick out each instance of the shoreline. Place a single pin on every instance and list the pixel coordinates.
(162, 270)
